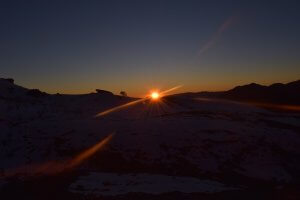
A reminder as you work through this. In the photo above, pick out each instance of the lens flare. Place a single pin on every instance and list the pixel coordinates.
(153, 96)
(170, 90)
(55, 167)
(89, 152)
(117, 108)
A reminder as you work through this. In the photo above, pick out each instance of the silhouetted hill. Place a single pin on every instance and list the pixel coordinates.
(10, 90)
(277, 93)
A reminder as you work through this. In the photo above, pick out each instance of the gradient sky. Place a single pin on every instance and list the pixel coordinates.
(78, 46)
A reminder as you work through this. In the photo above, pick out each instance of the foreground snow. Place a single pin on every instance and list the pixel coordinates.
(208, 140)
(111, 184)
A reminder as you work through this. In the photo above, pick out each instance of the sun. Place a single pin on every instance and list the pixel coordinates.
(155, 95)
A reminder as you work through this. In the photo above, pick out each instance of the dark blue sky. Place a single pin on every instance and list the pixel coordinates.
(77, 46)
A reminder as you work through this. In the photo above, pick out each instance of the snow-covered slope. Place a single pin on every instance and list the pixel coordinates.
(230, 144)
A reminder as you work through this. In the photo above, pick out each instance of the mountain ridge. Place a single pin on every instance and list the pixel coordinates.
(277, 93)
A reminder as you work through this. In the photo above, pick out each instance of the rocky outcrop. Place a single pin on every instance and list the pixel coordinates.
(104, 92)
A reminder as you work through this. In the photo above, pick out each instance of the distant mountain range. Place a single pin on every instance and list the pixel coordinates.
(276, 93)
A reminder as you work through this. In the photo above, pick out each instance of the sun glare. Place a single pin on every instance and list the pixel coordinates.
(155, 95)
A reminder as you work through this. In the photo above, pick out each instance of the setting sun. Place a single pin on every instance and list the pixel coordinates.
(154, 95)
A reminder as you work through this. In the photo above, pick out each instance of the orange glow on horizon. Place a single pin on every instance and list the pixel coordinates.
(154, 95)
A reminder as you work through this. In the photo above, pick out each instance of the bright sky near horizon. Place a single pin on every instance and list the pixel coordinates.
(137, 46)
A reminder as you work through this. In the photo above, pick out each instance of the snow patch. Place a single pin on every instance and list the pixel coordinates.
(111, 184)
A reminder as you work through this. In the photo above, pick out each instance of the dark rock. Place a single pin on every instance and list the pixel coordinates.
(36, 93)
(104, 92)
(10, 80)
